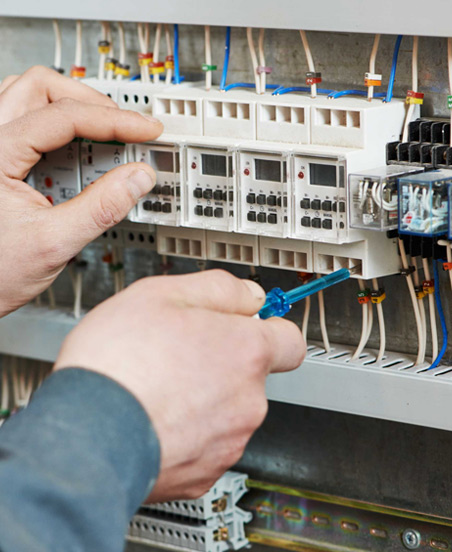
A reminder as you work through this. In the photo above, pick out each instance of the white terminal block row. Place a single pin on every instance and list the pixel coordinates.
(221, 499)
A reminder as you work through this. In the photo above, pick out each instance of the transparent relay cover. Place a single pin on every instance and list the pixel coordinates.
(423, 203)
(373, 197)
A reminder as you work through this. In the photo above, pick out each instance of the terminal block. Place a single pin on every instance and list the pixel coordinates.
(57, 174)
(163, 204)
(263, 194)
(423, 203)
(373, 197)
(97, 158)
(212, 523)
(209, 189)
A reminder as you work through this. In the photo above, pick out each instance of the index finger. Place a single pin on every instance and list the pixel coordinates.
(25, 139)
(40, 86)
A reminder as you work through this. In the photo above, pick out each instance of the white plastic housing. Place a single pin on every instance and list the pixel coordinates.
(209, 189)
(286, 254)
(163, 204)
(234, 248)
(263, 190)
(98, 158)
(181, 242)
(283, 119)
(57, 175)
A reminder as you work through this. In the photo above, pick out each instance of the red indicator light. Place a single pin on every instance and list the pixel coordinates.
(301, 174)
(49, 199)
(48, 182)
(246, 172)
(193, 166)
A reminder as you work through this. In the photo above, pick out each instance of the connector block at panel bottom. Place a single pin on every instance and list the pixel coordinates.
(173, 533)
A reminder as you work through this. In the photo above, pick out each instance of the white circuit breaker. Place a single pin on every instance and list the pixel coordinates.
(163, 204)
(98, 158)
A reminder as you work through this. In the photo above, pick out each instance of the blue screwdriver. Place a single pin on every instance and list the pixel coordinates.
(279, 302)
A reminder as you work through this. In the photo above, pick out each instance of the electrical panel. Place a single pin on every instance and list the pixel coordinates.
(96, 159)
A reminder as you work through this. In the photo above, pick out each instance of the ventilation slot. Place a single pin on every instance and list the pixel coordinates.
(229, 110)
(282, 114)
(285, 259)
(222, 251)
(323, 116)
(214, 109)
(162, 106)
(177, 107)
(325, 263)
(353, 119)
(297, 115)
(190, 108)
(268, 113)
(338, 118)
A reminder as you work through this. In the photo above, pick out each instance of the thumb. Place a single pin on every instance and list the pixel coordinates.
(101, 205)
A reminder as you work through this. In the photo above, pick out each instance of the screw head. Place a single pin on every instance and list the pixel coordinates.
(411, 539)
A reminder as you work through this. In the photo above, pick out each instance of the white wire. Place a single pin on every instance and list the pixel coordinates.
(431, 305)
(122, 47)
(5, 384)
(208, 48)
(309, 59)
(414, 85)
(51, 295)
(421, 307)
(364, 326)
(307, 311)
(417, 314)
(372, 62)
(103, 57)
(257, 80)
(370, 319)
(110, 72)
(143, 39)
(169, 52)
(381, 324)
(15, 381)
(449, 63)
(263, 75)
(78, 44)
(323, 329)
(158, 35)
(58, 47)
(78, 294)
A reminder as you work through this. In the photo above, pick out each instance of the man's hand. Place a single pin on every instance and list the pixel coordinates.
(41, 112)
(188, 349)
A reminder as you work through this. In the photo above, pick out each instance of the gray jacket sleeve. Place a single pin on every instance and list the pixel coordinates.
(74, 466)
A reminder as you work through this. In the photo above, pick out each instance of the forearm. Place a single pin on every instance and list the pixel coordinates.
(74, 466)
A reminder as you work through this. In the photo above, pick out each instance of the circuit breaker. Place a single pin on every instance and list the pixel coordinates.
(98, 158)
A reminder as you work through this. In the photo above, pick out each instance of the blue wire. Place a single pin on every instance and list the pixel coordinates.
(354, 93)
(227, 50)
(136, 77)
(441, 317)
(249, 85)
(281, 90)
(393, 69)
(176, 55)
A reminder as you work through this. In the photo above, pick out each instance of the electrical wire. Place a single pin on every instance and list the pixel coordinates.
(372, 62)
(78, 44)
(362, 93)
(431, 304)
(307, 312)
(381, 324)
(364, 326)
(51, 295)
(252, 49)
(263, 75)
(158, 36)
(417, 314)
(208, 48)
(414, 86)
(420, 301)
(322, 320)
(227, 51)
(395, 56)
(441, 317)
(309, 59)
(282, 90)
(248, 85)
(58, 46)
(169, 53)
(143, 40)
(449, 259)
(103, 57)
(110, 72)
(78, 294)
(449, 63)
(122, 48)
(177, 77)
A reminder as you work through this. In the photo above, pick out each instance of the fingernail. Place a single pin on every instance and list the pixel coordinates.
(255, 289)
(140, 183)
(151, 119)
